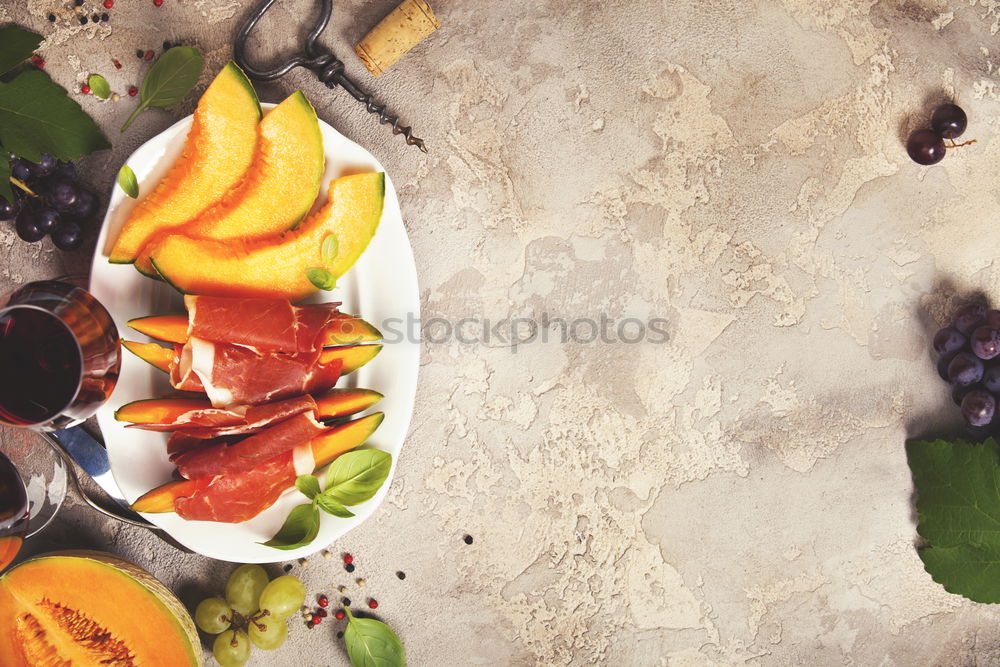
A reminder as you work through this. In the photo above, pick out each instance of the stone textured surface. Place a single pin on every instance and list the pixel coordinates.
(735, 495)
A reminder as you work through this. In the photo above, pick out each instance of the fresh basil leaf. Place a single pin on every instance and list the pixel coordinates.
(321, 278)
(372, 643)
(6, 191)
(36, 116)
(16, 46)
(99, 86)
(128, 182)
(958, 512)
(299, 529)
(329, 249)
(308, 485)
(169, 80)
(330, 505)
(356, 476)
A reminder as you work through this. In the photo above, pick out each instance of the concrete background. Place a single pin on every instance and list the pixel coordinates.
(736, 495)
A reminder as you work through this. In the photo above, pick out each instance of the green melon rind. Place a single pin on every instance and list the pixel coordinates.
(244, 81)
(177, 611)
(300, 98)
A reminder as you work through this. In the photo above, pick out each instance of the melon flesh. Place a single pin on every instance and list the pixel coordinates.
(218, 150)
(91, 608)
(276, 267)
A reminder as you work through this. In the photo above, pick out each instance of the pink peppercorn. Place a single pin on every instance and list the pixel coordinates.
(373, 604)
(85, 89)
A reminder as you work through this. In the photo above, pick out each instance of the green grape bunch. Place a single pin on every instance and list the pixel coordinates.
(253, 611)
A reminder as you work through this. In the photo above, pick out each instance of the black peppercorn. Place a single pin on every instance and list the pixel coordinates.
(139, 53)
(288, 568)
(166, 46)
(346, 602)
(52, 18)
(83, 20)
(401, 574)
(468, 539)
(104, 16)
(78, 3)
(349, 567)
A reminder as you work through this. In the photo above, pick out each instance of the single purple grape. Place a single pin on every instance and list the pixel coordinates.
(949, 340)
(47, 220)
(985, 342)
(63, 194)
(65, 170)
(958, 392)
(991, 378)
(978, 407)
(68, 236)
(45, 166)
(969, 317)
(965, 369)
(27, 226)
(949, 120)
(20, 169)
(8, 210)
(942, 367)
(86, 205)
(925, 147)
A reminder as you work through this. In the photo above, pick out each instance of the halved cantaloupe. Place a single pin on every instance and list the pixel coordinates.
(91, 608)
(335, 403)
(219, 149)
(325, 448)
(276, 267)
(343, 330)
(280, 186)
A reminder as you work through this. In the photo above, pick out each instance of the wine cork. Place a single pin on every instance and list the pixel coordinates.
(396, 34)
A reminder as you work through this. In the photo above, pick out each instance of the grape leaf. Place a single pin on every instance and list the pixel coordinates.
(16, 46)
(36, 116)
(372, 643)
(5, 189)
(958, 510)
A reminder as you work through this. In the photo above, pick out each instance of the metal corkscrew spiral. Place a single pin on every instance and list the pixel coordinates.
(325, 64)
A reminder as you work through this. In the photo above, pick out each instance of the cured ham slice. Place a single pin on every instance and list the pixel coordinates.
(277, 326)
(234, 375)
(224, 459)
(241, 496)
(217, 422)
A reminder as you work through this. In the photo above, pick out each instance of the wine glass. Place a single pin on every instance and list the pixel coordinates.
(59, 356)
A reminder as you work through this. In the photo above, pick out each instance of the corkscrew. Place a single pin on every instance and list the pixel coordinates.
(323, 62)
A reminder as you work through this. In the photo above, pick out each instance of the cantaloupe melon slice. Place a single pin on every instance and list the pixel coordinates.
(276, 267)
(91, 608)
(219, 149)
(280, 186)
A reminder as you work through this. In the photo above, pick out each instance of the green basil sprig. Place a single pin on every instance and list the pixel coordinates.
(372, 643)
(321, 278)
(169, 80)
(351, 479)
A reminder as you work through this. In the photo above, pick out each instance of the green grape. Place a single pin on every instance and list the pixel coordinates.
(283, 596)
(210, 613)
(244, 587)
(231, 648)
(272, 636)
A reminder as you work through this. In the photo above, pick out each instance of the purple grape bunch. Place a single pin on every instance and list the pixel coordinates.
(969, 350)
(60, 205)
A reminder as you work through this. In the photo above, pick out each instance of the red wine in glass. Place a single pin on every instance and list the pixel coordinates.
(59, 356)
(13, 511)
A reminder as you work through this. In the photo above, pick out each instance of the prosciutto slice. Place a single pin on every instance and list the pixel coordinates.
(221, 458)
(233, 375)
(275, 324)
(217, 422)
(241, 496)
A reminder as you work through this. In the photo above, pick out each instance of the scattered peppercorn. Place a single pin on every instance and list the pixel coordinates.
(327, 554)
(342, 589)
(166, 45)
(323, 601)
(158, 3)
(139, 53)
(308, 616)
(401, 575)
(78, 3)
(373, 603)
(83, 20)
(346, 602)
(361, 583)
(132, 92)
(339, 614)
(115, 97)
(316, 619)
(96, 18)
(349, 567)
(348, 558)
(468, 539)
(322, 613)
(108, 4)
(339, 635)
(105, 17)
(85, 89)
(117, 64)
(52, 18)
(148, 55)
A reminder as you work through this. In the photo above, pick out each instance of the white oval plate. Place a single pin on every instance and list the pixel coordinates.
(381, 288)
